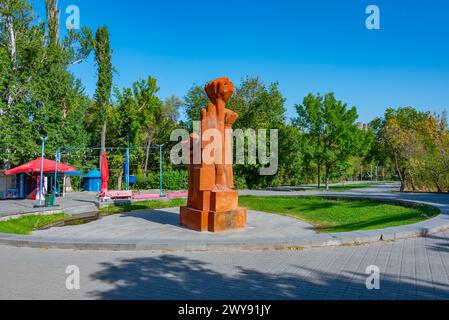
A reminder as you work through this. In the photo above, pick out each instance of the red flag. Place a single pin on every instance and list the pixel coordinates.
(104, 174)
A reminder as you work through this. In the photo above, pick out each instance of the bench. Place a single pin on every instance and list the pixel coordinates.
(115, 195)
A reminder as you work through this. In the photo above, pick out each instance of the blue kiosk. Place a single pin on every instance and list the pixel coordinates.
(92, 181)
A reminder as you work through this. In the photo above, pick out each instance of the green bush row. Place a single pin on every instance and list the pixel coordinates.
(172, 180)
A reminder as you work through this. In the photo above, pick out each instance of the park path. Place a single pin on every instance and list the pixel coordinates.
(383, 191)
(72, 203)
(409, 269)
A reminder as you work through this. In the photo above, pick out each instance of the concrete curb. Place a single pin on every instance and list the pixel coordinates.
(37, 213)
(422, 229)
(319, 240)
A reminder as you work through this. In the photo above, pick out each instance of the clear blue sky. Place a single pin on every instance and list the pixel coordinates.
(306, 46)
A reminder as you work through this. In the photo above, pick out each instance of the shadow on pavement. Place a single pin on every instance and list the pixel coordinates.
(180, 278)
(442, 246)
(157, 216)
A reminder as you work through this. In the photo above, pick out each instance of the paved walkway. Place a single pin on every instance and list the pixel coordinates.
(160, 229)
(72, 203)
(162, 226)
(409, 269)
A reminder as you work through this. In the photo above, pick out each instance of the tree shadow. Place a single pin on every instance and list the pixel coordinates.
(85, 201)
(156, 216)
(179, 278)
(365, 225)
(442, 246)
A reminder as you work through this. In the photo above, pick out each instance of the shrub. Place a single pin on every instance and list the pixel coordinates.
(172, 180)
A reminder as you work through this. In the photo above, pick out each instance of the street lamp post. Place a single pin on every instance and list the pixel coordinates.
(40, 107)
(161, 192)
(43, 139)
(57, 160)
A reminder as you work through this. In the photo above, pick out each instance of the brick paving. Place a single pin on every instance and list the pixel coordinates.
(410, 269)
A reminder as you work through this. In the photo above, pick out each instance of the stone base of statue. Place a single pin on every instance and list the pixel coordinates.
(227, 220)
(213, 221)
(223, 213)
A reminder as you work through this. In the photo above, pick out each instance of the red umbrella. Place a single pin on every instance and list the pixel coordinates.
(104, 174)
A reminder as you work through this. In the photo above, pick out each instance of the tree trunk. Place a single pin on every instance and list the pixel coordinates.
(412, 181)
(12, 41)
(12, 53)
(68, 185)
(319, 175)
(402, 189)
(327, 176)
(103, 140)
(439, 189)
(147, 156)
(53, 16)
(401, 176)
(119, 181)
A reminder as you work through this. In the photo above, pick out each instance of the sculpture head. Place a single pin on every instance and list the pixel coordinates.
(219, 89)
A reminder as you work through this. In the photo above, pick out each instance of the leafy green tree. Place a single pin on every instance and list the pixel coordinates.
(103, 57)
(194, 101)
(401, 134)
(331, 132)
(260, 107)
(418, 142)
(140, 118)
(35, 69)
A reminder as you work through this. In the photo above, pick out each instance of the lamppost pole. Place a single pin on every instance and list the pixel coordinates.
(127, 164)
(57, 160)
(43, 139)
(160, 172)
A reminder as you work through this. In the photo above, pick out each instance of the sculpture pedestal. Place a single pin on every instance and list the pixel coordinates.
(227, 220)
(213, 221)
(194, 219)
(224, 214)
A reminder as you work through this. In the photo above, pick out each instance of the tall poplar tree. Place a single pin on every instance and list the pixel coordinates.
(103, 56)
(53, 16)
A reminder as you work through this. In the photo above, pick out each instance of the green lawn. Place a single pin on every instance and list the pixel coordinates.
(143, 205)
(25, 225)
(340, 215)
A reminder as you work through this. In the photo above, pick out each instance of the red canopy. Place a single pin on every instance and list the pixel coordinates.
(35, 167)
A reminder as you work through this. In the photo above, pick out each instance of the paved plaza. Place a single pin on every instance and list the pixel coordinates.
(160, 229)
(71, 203)
(410, 269)
(415, 268)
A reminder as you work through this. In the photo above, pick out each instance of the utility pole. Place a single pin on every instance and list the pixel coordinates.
(43, 139)
(39, 128)
(127, 164)
(161, 193)
(57, 160)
